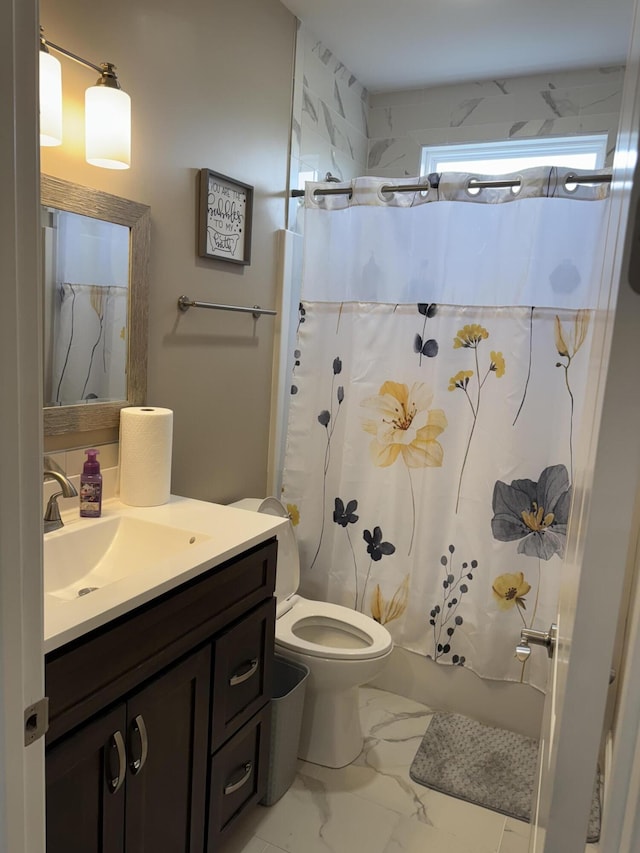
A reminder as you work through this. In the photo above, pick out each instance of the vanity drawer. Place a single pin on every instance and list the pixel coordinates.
(238, 776)
(85, 676)
(242, 671)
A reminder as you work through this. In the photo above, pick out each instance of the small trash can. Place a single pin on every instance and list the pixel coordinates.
(287, 703)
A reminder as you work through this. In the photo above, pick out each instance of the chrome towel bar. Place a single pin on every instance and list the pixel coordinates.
(184, 303)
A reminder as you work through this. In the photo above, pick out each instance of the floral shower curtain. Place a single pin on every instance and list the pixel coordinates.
(90, 351)
(89, 310)
(440, 371)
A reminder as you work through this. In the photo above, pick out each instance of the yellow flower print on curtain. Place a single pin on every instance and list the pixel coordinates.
(509, 590)
(294, 514)
(470, 337)
(405, 427)
(568, 342)
(386, 611)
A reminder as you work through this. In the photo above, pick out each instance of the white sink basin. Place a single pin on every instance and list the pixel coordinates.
(80, 559)
(96, 570)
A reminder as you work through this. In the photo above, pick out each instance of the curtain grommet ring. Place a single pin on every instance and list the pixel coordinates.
(570, 184)
(470, 190)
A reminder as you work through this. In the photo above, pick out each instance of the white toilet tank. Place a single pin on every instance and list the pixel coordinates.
(288, 573)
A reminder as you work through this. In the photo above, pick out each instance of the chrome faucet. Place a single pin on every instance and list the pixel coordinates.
(52, 471)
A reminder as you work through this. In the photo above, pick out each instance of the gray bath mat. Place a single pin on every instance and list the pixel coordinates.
(490, 767)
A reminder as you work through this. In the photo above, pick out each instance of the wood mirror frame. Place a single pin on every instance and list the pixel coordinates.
(74, 198)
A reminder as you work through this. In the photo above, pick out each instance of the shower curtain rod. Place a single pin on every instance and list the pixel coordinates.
(473, 184)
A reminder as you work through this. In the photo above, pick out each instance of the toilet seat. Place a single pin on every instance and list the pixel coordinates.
(322, 629)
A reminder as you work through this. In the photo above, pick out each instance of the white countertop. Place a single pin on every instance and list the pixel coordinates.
(230, 531)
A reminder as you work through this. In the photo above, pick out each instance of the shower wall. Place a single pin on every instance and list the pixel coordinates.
(330, 116)
(556, 104)
(340, 127)
(329, 131)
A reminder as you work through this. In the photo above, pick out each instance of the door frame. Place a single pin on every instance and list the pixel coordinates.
(22, 813)
(604, 528)
(621, 829)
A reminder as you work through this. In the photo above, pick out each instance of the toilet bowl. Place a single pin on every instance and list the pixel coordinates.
(341, 647)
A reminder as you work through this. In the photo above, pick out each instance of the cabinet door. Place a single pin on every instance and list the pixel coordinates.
(167, 749)
(85, 776)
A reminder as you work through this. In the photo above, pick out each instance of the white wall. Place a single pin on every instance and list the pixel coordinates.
(211, 86)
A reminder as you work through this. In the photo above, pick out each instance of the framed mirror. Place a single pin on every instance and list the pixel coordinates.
(95, 290)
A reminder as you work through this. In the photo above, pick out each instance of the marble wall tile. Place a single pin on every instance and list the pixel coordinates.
(330, 115)
(318, 74)
(296, 105)
(345, 168)
(381, 121)
(399, 98)
(582, 101)
(296, 138)
(472, 89)
(355, 103)
(597, 124)
(318, 154)
(565, 79)
(341, 128)
(400, 120)
(330, 80)
(322, 68)
(389, 158)
(315, 151)
(341, 134)
(310, 113)
(603, 98)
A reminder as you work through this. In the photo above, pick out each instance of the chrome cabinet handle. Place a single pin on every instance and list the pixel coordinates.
(239, 677)
(117, 743)
(138, 728)
(230, 787)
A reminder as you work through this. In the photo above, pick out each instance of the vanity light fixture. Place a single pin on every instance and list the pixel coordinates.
(107, 110)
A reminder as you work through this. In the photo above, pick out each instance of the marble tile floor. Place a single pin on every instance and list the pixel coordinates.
(373, 806)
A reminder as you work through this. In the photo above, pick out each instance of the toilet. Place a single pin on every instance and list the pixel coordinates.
(341, 647)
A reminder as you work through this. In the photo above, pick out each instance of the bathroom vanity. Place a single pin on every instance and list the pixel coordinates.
(159, 716)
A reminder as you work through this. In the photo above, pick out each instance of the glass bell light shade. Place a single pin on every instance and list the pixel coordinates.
(108, 127)
(50, 100)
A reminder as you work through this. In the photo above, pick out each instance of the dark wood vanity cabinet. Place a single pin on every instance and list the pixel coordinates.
(160, 720)
(134, 778)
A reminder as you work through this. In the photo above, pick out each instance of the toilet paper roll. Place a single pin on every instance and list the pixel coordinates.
(146, 435)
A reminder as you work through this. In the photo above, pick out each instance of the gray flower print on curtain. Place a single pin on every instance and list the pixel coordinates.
(535, 513)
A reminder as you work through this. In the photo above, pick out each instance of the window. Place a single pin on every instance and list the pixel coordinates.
(496, 158)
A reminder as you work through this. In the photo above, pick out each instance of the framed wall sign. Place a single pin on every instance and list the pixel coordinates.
(225, 218)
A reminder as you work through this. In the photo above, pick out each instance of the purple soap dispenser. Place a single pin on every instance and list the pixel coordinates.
(91, 486)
